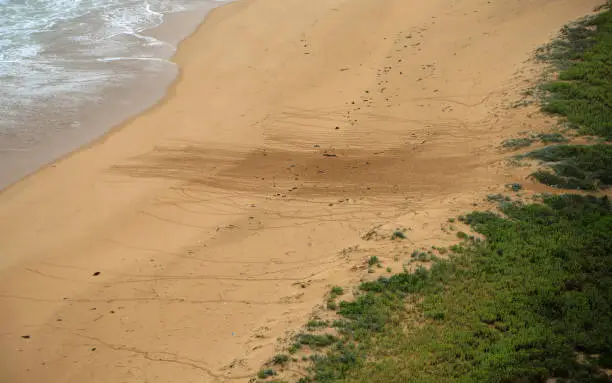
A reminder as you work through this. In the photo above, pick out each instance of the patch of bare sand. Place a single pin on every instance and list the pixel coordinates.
(183, 245)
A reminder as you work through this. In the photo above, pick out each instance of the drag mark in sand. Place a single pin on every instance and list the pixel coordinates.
(159, 356)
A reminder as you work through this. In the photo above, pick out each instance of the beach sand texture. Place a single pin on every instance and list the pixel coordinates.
(181, 245)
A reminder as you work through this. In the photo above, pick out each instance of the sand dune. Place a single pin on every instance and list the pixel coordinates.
(184, 243)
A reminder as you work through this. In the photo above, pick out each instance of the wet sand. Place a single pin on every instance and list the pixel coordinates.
(186, 242)
(51, 131)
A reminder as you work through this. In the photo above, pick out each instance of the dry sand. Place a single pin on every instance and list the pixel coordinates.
(217, 219)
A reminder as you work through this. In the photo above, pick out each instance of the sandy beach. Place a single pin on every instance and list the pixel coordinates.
(182, 245)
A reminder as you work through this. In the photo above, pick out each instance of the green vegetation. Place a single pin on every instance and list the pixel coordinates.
(462, 235)
(582, 94)
(532, 302)
(523, 142)
(314, 324)
(421, 256)
(499, 198)
(583, 91)
(548, 178)
(517, 143)
(331, 304)
(337, 290)
(549, 138)
(398, 234)
(515, 187)
(584, 167)
(280, 359)
(315, 341)
(373, 261)
(263, 374)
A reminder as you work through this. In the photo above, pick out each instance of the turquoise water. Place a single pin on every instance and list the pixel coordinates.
(64, 62)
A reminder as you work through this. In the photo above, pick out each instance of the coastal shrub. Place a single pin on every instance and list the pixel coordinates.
(314, 324)
(398, 234)
(280, 359)
(517, 143)
(549, 138)
(315, 340)
(373, 261)
(331, 304)
(263, 374)
(575, 166)
(583, 91)
(336, 290)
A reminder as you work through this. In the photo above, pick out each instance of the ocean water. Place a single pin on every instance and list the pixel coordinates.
(70, 69)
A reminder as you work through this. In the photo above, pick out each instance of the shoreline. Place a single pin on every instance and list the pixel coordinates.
(73, 140)
(194, 237)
